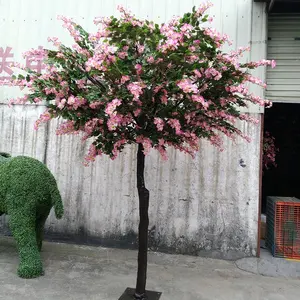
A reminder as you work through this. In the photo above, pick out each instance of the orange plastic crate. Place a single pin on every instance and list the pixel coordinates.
(283, 227)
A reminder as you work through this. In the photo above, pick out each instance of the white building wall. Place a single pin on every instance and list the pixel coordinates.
(208, 205)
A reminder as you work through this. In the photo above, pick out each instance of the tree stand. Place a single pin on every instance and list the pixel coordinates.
(130, 294)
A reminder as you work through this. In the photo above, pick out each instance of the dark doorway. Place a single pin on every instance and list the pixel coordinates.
(282, 121)
(286, 6)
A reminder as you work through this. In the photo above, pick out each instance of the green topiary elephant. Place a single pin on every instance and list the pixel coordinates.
(28, 191)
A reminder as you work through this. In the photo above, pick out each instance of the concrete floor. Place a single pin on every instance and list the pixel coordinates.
(81, 272)
(267, 265)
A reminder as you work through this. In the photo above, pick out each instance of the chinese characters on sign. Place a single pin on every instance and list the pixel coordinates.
(5, 62)
(6, 59)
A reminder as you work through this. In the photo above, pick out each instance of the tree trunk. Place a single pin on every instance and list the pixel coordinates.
(143, 226)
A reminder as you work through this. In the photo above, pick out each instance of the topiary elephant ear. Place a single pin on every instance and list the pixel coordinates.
(4, 154)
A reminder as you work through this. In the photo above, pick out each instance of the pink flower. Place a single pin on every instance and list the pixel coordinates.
(81, 83)
(255, 80)
(95, 105)
(146, 142)
(113, 122)
(61, 103)
(186, 29)
(273, 64)
(164, 97)
(263, 62)
(138, 68)
(174, 123)
(269, 151)
(92, 153)
(192, 48)
(203, 7)
(150, 59)
(44, 117)
(212, 73)
(70, 25)
(66, 128)
(117, 146)
(140, 48)
(71, 100)
(111, 106)
(159, 124)
(200, 99)
(121, 8)
(90, 126)
(187, 86)
(248, 118)
(19, 100)
(136, 89)
(124, 78)
(197, 73)
(137, 112)
(55, 41)
(122, 55)
(218, 38)
(161, 149)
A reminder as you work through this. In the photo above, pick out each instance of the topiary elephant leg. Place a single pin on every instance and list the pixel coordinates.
(22, 224)
(39, 228)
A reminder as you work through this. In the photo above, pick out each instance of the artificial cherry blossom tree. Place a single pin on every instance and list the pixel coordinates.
(136, 82)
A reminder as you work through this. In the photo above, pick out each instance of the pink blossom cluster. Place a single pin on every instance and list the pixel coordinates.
(91, 125)
(103, 32)
(269, 151)
(55, 41)
(103, 57)
(71, 102)
(128, 17)
(173, 37)
(203, 8)
(117, 147)
(187, 29)
(146, 142)
(159, 124)
(248, 118)
(212, 73)
(36, 54)
(19, 100)
(188, 86)
(71, 27)
(136, 89)
(255, 80)
(44, 118)
(174, 123)
(111, 106)
(217, 37)
(136, 82)
(93, 152)
(263, 62)
(66, 127)
(80, 50)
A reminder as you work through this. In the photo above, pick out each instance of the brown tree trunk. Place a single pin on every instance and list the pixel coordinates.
(140, 291)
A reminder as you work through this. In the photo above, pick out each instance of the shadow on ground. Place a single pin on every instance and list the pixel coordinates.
(267, 265)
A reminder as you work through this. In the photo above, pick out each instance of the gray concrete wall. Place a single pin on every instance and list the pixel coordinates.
(208, 205)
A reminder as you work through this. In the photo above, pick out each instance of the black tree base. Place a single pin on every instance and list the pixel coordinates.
(129, 295)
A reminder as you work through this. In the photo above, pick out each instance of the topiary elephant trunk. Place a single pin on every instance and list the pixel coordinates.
(28, 191)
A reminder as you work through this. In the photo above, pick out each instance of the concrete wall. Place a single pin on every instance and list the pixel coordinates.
(206, 206)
